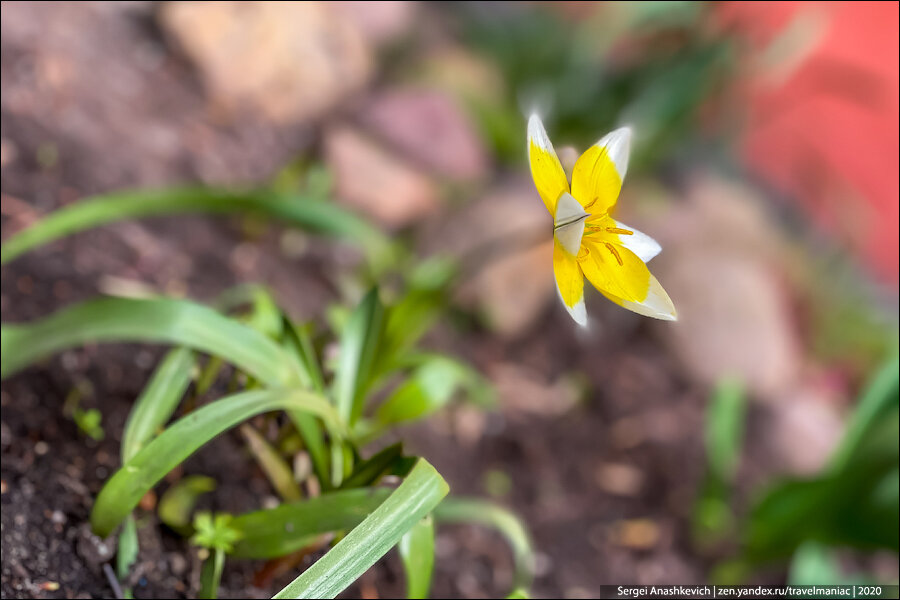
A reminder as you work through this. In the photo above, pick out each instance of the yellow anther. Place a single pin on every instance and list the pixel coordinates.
(615, 253)
(619, 231)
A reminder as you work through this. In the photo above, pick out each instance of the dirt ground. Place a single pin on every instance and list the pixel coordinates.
(605, 484)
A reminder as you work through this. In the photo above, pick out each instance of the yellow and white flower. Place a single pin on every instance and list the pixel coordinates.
(587, 241)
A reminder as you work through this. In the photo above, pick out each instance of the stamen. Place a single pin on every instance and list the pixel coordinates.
(619, 231)
(615, 253)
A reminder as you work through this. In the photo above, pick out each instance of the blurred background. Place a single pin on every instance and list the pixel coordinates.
(765, 162)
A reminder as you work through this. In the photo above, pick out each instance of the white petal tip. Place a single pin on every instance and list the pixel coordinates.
(578, 313)
(618, 146)
(536, 132)
(644, 246)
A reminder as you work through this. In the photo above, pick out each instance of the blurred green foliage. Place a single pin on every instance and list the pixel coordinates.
(853, 503)
(623, 63)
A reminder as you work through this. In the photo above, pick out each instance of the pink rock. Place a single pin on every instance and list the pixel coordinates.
(429, 127)
(376, 182)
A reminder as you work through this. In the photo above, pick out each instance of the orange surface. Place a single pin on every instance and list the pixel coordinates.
(822, 122)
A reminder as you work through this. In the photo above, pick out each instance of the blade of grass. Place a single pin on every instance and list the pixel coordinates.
(127, 486)
(298, 339)
(419, 493)
(300, 347)
(211, 574)
(157, 401)
(880, 396)
(725, 428)
(417, 553)
(368, 471)
(359, 344)
(278, 531)
(274, 466)
(428, 389)
(265, 316)
(158, 320)
(127, 550)
(472, 510)
(292, 209)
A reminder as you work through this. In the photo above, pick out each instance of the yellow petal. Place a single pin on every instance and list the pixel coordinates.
(549, 177)
(657, 304)
(615, 270)
(569, 283)
(598, 174)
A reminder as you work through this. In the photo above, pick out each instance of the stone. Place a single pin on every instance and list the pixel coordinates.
(429, 127)
(370, 179)
(290, 61)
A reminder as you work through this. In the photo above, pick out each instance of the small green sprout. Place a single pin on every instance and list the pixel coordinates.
(88, 421)
(215, 533)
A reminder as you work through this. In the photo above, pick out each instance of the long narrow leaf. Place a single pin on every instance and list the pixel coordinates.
(158, 320)
(724, 429)
(419, 493)
(289, 527)
(367, 472)
(127, 550)
(324, 217)
(472, 510)
(211, 574)
(417, 553)
(300, 346)
(158, 401)
(359, 344)
(880, 396)
(127, 486)
(298, 339)
(274, 466)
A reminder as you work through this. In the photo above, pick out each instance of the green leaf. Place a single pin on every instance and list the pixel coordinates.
(300, 345)
(725, 428)
(367, 472)
(417, 552)
(278, 531)
(359, 344)
(276, 469)
(127, 551)
(420, 307)
(314, 440)
(813, 564)
(157, 401)
(291, 209)
(265, 316)
(882, 394)
(158, 320)
(299, 340)
(181, 439)
(487, 514)
(428, 389)
(419, 493)
(178, 502)
(211, 574)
